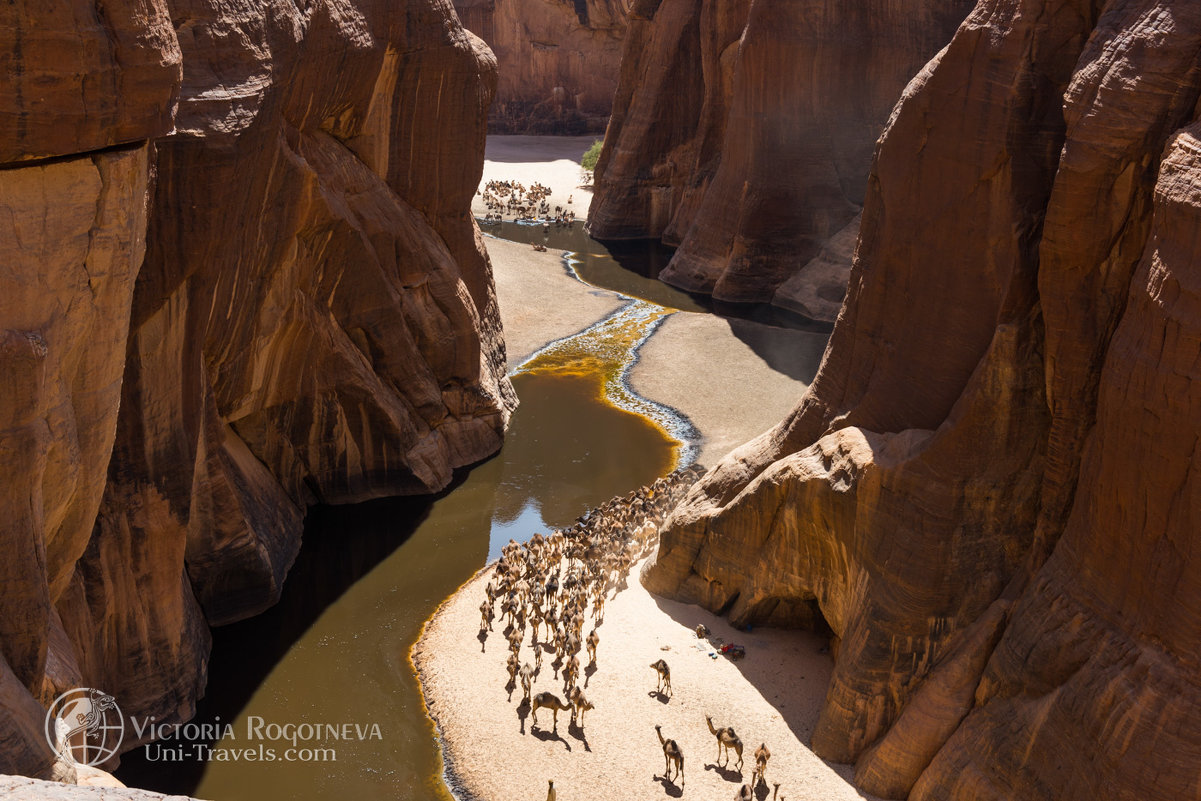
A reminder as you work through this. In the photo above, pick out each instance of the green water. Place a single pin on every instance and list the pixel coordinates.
(335, 650)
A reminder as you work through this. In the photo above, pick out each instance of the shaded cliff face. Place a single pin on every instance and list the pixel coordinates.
(743, 132)
(987, 490)
(241, 276)
(558, 61)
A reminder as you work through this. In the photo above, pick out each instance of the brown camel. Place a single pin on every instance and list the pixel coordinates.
(664, 672)
(549, 701)
(761, 757)
(727, 739)
(671, 754)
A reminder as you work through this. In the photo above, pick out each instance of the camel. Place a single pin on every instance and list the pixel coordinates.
(515, 638)
(664, 672)
(550, 791)
(727, 739)
(593, 641)
(486, 616)
(761, 757)
(671, 753)
(527, 677)
(548, 701)
(744, 793)
(775, 788)
(513, 665)
(579, 705)
(571, 671)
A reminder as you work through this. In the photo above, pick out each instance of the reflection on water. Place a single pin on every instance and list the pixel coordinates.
(335, 649)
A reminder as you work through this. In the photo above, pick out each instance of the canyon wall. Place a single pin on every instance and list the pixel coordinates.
(558, 61)
(240, 277)
(987, 493)
(743, 130)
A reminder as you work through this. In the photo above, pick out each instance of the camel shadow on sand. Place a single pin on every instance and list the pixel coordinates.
(671, 788)
(548, 736)
(577, 732)
(659, 696)
(726, 773)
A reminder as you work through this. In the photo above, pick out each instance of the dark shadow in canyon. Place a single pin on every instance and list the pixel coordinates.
(341, 544)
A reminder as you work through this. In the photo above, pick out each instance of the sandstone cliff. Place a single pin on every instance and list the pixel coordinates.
(988, 493)
(558, 61)
(240, 276)
(743, 131)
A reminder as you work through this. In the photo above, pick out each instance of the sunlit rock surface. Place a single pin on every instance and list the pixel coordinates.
(240, 276)
(988, 493)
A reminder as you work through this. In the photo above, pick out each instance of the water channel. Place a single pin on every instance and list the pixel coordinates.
(335, 649)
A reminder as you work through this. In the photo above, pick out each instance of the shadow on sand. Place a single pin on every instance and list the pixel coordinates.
(671, 788)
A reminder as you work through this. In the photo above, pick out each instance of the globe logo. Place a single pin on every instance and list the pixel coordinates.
(85, 726)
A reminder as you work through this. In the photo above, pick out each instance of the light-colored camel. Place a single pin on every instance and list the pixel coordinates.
(527, 678)
(671, 754)
(726, 739)
(761, 757)
(549, 701)
(593, 641)
(664, 673)
(550, 790)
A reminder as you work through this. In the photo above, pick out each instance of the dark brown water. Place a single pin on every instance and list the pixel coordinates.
(335, 649)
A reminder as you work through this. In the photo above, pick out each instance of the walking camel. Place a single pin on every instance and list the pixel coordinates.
(761, 757)
(727, 739)
(671, 754)
(527, 678)
(549, 701)
(664, 672)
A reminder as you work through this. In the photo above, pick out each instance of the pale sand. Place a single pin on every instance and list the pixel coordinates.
(539, 300)
(552, 161)
(771, 696)
(726, 375)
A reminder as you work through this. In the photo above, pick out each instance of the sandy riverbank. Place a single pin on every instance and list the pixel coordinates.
(552, 161)
(771, 696)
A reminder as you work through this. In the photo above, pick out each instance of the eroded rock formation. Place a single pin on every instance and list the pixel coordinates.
(240, 276)
(988, 492)
(558, 61)
(743, 132)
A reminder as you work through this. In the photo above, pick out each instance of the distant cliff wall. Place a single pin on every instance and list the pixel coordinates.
(558, 61)
(743, 132)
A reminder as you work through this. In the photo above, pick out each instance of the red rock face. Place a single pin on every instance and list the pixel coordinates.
(261, 289)
(743, 131)
(558, 61)
(986, 492)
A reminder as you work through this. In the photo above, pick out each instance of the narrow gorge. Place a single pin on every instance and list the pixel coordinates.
(316, 334)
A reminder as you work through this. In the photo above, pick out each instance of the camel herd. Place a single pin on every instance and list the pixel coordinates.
(551, 584)
(523, 204)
